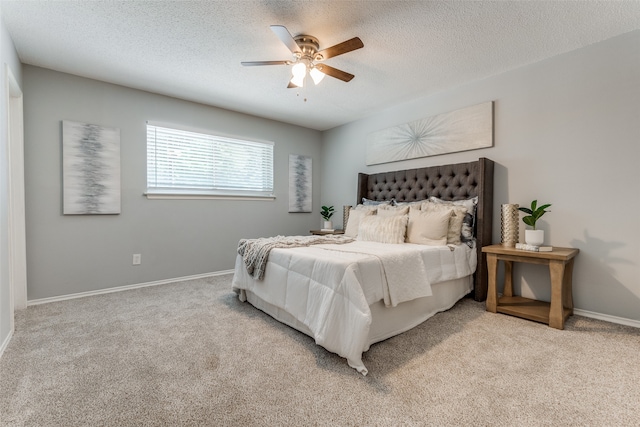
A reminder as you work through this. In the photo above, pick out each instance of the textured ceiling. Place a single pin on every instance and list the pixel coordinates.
(193, 49)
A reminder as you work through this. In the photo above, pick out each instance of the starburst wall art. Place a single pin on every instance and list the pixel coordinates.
(469, 128)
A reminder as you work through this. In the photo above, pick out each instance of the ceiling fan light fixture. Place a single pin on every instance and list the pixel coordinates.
(316, 75)
(299, 69)
(297, 81)
(305, 50)
(299, 72)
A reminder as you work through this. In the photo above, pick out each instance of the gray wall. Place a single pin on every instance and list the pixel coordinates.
(8, 56)
(567, 132)
(177, 238)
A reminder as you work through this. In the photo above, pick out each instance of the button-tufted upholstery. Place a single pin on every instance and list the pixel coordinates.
(448, 182)
(451, 182)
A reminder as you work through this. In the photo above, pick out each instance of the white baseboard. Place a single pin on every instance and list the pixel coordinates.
(5, 344)
(607, 318)
(124, 288)
(579, 312)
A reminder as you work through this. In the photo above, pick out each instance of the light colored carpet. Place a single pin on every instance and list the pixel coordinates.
(190, 353)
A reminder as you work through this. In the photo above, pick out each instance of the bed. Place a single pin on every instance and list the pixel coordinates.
(348, 296)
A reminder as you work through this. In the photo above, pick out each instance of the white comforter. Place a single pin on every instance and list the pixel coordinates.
(329, 288)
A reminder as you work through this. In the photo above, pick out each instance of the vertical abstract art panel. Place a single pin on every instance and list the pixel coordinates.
(90, 169)
(469, 128)
(300, 189)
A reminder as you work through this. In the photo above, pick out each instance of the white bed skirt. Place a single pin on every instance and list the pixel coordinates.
(338, 295)
(386, 321)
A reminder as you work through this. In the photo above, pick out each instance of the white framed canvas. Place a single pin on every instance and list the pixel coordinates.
(90, 169)
(300, 183)
(465, 129)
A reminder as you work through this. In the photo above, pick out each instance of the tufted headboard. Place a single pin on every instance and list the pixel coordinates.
(448, 182)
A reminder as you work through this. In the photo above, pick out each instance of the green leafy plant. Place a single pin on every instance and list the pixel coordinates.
(534, 213)
(327, 212)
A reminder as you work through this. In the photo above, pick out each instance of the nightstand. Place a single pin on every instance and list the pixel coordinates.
(323, 232)
(560, 262)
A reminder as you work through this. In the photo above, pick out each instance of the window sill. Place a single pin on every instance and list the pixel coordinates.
(195, 196)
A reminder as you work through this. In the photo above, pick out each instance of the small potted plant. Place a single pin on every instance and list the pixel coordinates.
(326, 213)
(534, 237)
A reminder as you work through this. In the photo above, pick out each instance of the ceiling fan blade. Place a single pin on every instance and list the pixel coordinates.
(334, 72)
(291, 86)
(340, 48)
(285, 36)
(252, 63)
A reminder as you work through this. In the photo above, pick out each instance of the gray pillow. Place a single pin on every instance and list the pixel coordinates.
(369, 202)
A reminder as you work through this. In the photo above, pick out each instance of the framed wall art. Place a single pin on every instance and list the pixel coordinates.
(90, 169)
(300, 183)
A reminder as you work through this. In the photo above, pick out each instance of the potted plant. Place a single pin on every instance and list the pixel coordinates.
(326, 213)
(534, 237)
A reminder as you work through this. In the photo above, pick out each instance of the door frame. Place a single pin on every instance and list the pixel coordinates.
(16, 196)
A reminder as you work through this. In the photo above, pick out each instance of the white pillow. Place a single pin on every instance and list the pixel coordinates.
(455, 221)
(469, 221)
(389, 229)
(388, 210)
(428, 228)
(355, 216)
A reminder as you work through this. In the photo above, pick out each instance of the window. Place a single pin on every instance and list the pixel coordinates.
(182, 163)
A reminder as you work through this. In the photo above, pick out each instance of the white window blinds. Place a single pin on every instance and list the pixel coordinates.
(183, 162)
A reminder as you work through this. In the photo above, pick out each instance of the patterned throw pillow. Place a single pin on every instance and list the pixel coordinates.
(373, 207)
(369, 202)
(390, 229)
(417, 203)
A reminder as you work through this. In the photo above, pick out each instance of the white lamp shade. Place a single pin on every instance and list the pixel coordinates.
(299, 72)
(298, 81)
(299, 69)
(316, 75)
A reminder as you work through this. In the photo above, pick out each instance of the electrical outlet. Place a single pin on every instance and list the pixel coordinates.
(137, 259)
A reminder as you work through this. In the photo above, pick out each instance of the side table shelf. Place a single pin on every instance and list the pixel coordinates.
(560, 263)
(527, 308)
(325, 232)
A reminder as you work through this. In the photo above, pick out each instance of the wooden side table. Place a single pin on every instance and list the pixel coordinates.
(560, 262)
(323, 232)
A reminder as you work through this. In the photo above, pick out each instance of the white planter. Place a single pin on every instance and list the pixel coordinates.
(534, 237)
(328, 224)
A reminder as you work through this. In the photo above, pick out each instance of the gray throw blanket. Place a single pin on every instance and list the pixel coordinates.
(255, 252)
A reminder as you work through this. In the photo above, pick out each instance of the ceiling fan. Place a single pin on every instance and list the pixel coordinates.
(307, 58)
